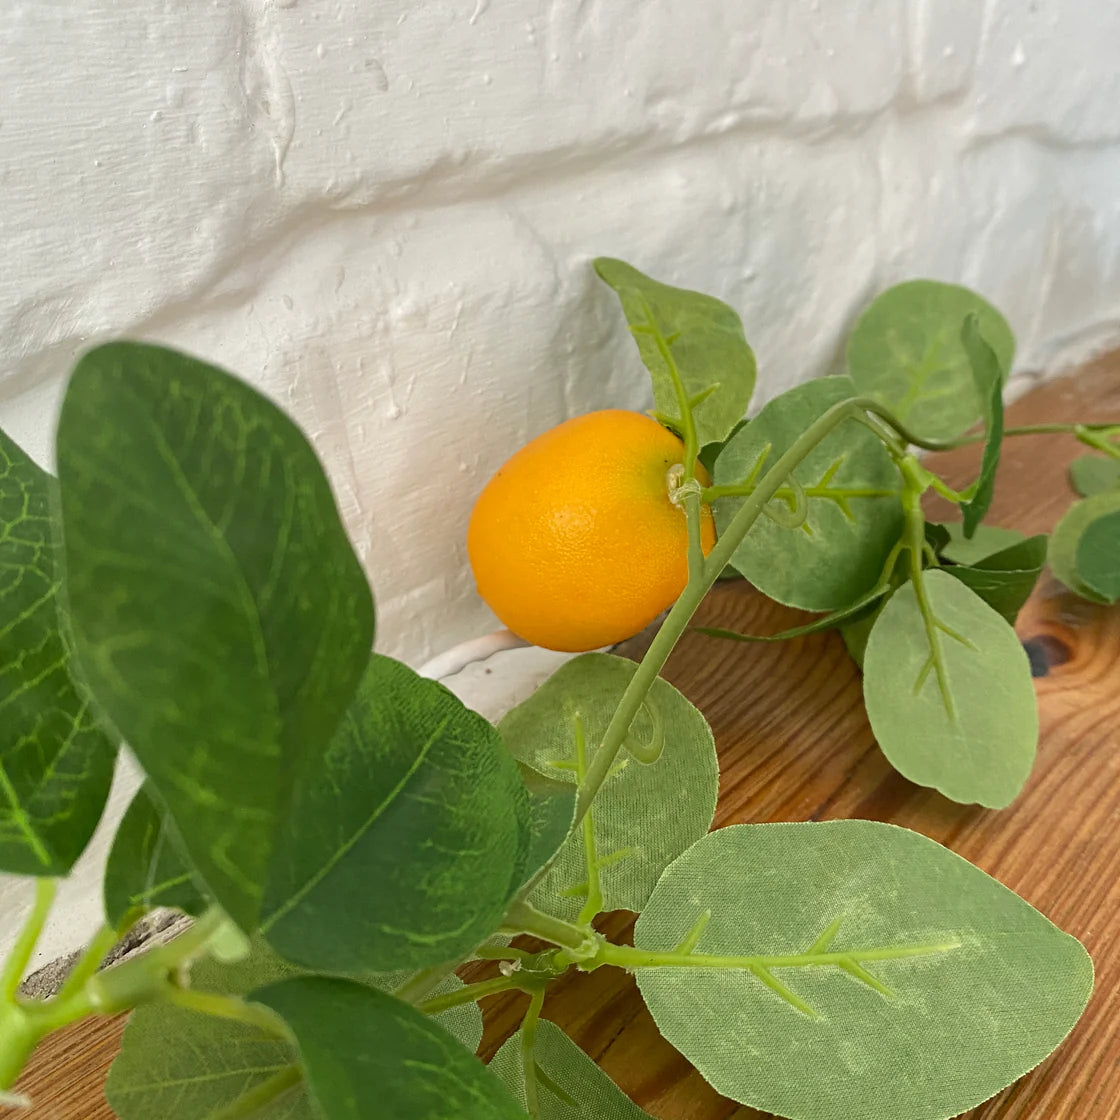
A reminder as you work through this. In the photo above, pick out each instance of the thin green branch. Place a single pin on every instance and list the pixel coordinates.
(594, 901)
(469, 993)
(250, 1103)
(89, 962)
(528, 1052)
(228, 1007)
(24, 948)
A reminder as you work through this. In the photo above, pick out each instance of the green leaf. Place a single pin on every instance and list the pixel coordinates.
(949, 693)
(220, 615)
(988, 376)
(1098, 556)
(570, 1086)
(862, 970)
(365, 1054)
(549, 823)
(1065, 545)
(1093, 474)
(147, 867)
(183, 1065)
(906, 350)
(405, 848)
(1005, 579)
(853, 511)
(55, 762)
(646, 814)
(690, 336)
(985, 542)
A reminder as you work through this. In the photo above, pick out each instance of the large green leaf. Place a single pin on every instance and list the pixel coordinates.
(1098, 556)
(1065, 544)
(406, 846)
(1005, 579)
(851, 489)
(988, 377)
(570, 1086)
(1093, 474)
(182, 1065)
(55, 762)
(690, 336)
(646, 813)
(859, 970)
(219, 612)
(367, 1055)
(147, 866)
(906, 350)
(949, 693)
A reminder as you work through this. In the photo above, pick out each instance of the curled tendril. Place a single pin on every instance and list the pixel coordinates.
(651, 751)
(792, 515)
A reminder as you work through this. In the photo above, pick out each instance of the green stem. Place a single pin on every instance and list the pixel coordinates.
(228, 1007)
(594, 901)
(528, 1052)
(469, 993)
(1073, 429)
(89, 962)
(20, 956)
(421, 983)
(525, 918)
(255, 1099)
(700, 580)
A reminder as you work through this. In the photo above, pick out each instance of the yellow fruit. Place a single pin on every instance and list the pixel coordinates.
(574, 542)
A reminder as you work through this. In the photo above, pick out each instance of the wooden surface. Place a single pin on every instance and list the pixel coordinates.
(795, 745)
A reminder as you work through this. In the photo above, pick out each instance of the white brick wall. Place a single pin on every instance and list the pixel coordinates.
(382, 213)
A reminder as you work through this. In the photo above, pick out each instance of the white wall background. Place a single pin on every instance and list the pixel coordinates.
(382, 213)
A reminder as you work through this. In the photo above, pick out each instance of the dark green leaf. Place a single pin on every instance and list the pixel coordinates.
(405, 848)
(570, 1086)
(183, 1065)
(147, 867)
(938, 537)
(1065, 544)
(1093, 474)
(55, 762)
(985, 542)
(853, 514)
(219, 612)
(860, 970)
(646, 814)
(906, 350)
(551, 817)
(1005, 579)
(1098, 556)
(988, 377)
(697, 337)
(367, 1055)
(949, 693)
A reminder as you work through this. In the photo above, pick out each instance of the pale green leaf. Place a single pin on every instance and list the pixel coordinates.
(147, 866)
(949, 693)
(1005, 579)
(985, 542)
(1093, 474)
(988, 377)
(570, 1086)
(695, 337)
(55, 762)
(853, 512)
(1066, 541)
(219, 613)
(404, 848)
(906, 350)
(860, 970)
(365, 1055)
(1098, 556)
(182, 1065)
(646, 814)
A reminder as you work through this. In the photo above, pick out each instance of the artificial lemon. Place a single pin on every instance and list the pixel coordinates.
(575, 543)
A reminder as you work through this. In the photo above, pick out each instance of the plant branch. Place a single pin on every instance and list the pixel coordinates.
(20, 956)
(228, 1007)
(469, 993)
(250, 1103)
(528, 1052)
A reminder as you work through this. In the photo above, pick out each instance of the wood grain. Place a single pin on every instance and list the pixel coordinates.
(794, 745)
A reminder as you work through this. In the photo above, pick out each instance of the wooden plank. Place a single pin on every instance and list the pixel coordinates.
(794, 744)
